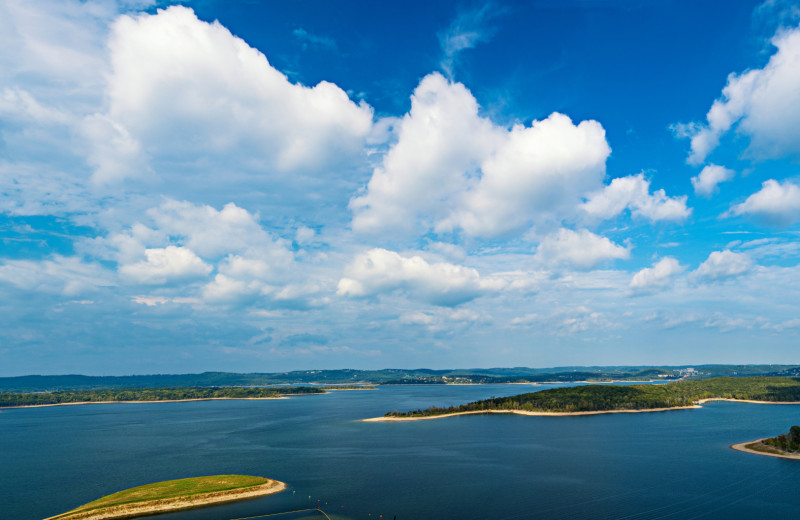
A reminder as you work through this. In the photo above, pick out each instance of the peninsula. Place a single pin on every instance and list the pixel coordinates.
(596, 399)
(174, 495)
(146, 395)
(786, 446)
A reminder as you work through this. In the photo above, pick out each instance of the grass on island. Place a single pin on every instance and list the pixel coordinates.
(606, 398)
(169, 489)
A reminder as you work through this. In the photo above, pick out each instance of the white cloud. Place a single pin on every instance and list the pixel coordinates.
(660, 275)
(181, 87)
(580, 249)
(167, 264)
(453, 169)
(213, 233)
(705, 184)
(764, 104)
(633, 192)
(379, 271)
(722, 265)
(776, 203)
(69, 276)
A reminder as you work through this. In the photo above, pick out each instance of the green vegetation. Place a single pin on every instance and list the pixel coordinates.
(170, 489)
(788, 442)
(158, 394)
(596, 398)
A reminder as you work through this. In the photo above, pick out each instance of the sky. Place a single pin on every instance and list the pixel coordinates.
(269, 186)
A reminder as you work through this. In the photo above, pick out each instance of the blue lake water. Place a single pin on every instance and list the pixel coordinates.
(667, 465)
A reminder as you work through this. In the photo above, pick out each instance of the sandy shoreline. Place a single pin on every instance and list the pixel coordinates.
(565, 414)
(174, 504)
(523, 412)
(154, 401)
(742, 446)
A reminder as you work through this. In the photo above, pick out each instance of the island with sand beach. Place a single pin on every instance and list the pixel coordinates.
(174, 495)
(599, 399)
(786, 446)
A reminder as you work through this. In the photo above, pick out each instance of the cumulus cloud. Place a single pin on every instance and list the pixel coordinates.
(633, 193)
(721, 265)
(705, 184)
(775, 204)
(580, 249)
(166, 264)
(660, 275)
(181, 87)
(380, 271)
(763, 104)
(185, 242)
(452, 169)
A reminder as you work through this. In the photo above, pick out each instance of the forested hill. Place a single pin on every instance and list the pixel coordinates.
(595, 398)
(46, 383)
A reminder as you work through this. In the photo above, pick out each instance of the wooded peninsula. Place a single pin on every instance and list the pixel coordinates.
(613, 398)
(785, 446)
(11, 399)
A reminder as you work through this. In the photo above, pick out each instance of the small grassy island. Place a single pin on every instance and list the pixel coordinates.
(174, 495)
(594, 399)
(135, 395)
(785, 446)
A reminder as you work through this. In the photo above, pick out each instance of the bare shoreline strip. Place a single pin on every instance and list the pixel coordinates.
(153, 401)
(566, 414)
(742, 446)
(522, 412)
(155, 507)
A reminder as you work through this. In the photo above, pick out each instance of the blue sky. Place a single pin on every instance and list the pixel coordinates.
(247, 186)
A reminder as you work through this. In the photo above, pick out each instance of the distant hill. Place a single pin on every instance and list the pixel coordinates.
(47, 383)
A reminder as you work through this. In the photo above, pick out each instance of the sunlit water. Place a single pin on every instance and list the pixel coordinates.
(668, 465)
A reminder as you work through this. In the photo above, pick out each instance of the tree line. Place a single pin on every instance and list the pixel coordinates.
(597, 398)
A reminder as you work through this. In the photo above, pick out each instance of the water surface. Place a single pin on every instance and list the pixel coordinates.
(667, 465)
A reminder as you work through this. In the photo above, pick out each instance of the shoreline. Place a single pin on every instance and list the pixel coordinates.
(153, 401)
(697, 404)
(524, 412)
(156, 507)
(742, 446)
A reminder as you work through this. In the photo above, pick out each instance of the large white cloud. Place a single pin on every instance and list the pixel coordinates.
(776, 203)
(380, 271)
(658, 276)
(763, 104)
(453, 169)
(721, 265)
(181, 87)
(581, 249)
(705, 184)
(166, 264)
(633, 193)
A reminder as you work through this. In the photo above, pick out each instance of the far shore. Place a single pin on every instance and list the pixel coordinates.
(156, 507)
(284, 396)
(743, 446)
(567, 414)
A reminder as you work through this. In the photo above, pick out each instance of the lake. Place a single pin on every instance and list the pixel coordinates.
(663, 465)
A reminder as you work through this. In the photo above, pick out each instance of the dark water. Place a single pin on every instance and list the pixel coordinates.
(669, 465)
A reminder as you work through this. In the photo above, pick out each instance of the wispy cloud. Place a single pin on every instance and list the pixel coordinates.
(309, 39)
(468, 30)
